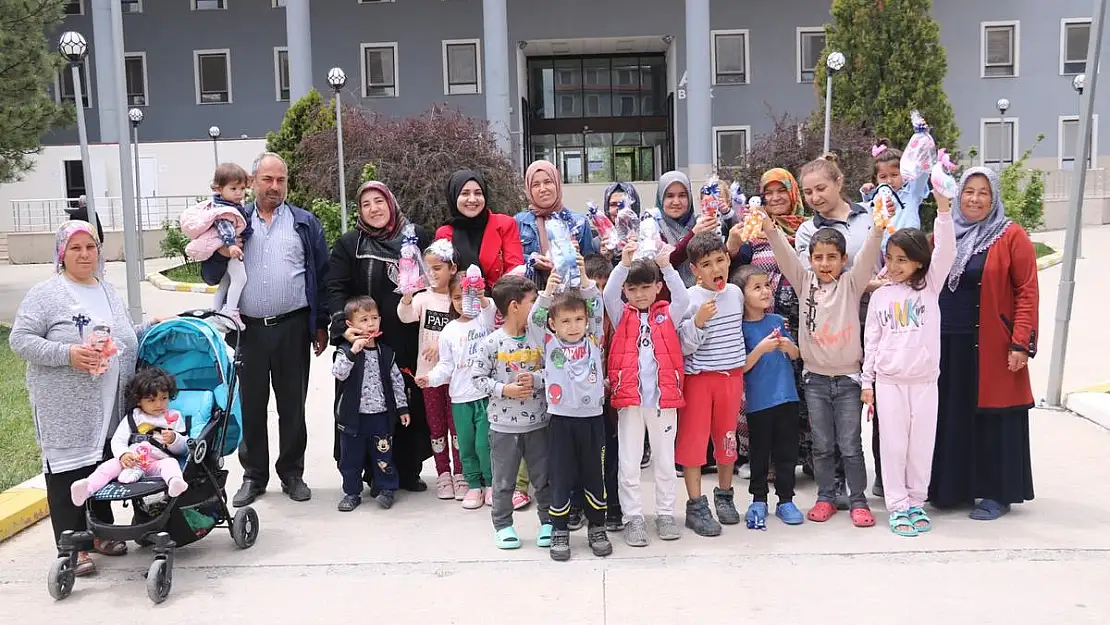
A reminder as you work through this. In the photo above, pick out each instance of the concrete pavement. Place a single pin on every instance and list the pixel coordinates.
(428, 560)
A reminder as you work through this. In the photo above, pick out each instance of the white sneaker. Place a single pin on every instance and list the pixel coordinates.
(745, 471)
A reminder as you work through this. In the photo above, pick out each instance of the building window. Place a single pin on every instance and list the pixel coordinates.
(277, 4)
(1001, 49)
(373, 1)
(134, 68)
(132, 6)
(73, 7)
(730, 57)
(379, 70)
(997, 138)
(1069, 134)
(462, 66)
(811, 45)
(281, 73)
(209, 5)
(731, 144)
(63, 88)
(1075, 34)
(212, 71)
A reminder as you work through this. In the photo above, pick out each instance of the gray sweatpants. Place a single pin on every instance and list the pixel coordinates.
(506, 451)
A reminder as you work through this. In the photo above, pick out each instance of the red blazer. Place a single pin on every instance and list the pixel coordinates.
(1008, 320)
(501, 251)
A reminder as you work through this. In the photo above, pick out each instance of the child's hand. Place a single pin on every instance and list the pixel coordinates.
(526, 380)
(867, 396)
(768, 223)
(663, 259)
(629, 252)
(705, 223)
(705, 313)
(359, 345)
(769, 344)
(406, 299)
(581, 264)
(516, 391)
(944, 204)
(406, 419)
(735, 238)
(168, 437)
(431, 353)
(128, 460)
(867, 188)
(553, 281)
(236, 252)
(421, 381)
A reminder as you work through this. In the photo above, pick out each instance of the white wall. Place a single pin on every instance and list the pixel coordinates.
(182, 168)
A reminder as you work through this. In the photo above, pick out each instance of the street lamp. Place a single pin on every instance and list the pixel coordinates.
(1078, 83)
(135, 115)
(214, 132)
(834, 62)
(337, 79)
(74, 48)
(1002, 105)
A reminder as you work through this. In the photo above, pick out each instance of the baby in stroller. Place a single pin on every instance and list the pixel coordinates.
(148, 443)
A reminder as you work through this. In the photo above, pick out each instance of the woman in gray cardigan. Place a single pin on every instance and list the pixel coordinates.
(74, 410)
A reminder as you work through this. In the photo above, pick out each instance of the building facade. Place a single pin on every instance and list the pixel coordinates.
(606, 89)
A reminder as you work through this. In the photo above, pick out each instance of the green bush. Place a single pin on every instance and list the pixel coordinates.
(305, 117)
(174, 242)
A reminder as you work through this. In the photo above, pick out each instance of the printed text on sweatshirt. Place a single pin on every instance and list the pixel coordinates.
(719, 346)
(458, 349)
(432, 311)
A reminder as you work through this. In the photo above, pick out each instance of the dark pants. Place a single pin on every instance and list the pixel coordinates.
(374, 440)
(773, 432)
(577, 463)
(612, 461)
(280, 353)
(66, 516)
(875, 446)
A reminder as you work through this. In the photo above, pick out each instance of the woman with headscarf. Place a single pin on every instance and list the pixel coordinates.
(988, 333)
(782, 199)
(544, 188)
(364, 261)
(682, 219)
(616, 196)
(480, 236)
(75, 411)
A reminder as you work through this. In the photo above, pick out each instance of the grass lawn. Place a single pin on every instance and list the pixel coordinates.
(19, 454)
(189, 272)
(1043, 250)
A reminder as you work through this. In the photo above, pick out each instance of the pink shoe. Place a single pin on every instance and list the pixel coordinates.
(489, 495)
(460, 487)
(176, 486)
(445, 488)
(473, 499)
(79, 491)
(521, 500)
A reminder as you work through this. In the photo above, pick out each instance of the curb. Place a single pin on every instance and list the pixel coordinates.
(1044, 262)
(163, 283)
(22, 506)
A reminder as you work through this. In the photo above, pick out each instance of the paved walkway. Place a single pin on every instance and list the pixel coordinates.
(430, 561)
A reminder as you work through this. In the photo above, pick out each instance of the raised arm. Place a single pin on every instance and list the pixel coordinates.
(680, 297)
(788, 260)
(944, 250)
(595, 311)
(614, 304)
(867, 259)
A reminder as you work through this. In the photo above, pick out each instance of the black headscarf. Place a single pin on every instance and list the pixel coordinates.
(468, 230)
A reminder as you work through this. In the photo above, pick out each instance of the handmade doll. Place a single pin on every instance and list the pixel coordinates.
(606, 231)
(921, 151)
(473, 286)
(412, 273)
(564, 257)
(99, 339)
(941, 175)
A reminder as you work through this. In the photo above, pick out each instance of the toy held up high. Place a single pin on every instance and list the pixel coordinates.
(884, 208)
(941, 175)
(628, 222)
(753, 220)
(412, 274)
(606, 231)
(564, 257)
(473, 285)
(649, 239)
(99, 339)
(921, 151)
(711, 203)
(736, 195)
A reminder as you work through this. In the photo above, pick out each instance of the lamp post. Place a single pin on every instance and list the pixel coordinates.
(337, 79)
(214, 132)
(135, 115)
(1078, 83)
(74, 48)
(1003, 104)
(834, 63)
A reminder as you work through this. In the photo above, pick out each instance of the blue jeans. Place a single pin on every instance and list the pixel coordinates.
(834, 418)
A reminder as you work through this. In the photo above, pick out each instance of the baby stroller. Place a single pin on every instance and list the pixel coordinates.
(191, 349)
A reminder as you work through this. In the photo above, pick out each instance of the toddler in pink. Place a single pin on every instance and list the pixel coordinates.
(902, 361)
(147, 443)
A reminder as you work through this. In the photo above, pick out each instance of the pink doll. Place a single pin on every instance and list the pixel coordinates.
(412, 273)
(99, 339)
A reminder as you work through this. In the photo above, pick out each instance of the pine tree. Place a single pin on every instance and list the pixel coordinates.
(895, 64)
(28, 64)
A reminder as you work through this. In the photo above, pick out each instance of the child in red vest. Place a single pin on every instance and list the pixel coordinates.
(645, 370)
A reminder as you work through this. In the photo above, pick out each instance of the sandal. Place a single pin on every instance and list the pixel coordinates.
(821, 511)
(921, 521)
(110, 547)
(861, 517)
(901, 524)
(543, 539)
(988, 510)
(85, 565)
(506, 538)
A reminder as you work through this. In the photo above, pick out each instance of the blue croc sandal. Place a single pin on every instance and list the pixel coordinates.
(921, 521)
(506, 538)
(988, 510)
(901, 524)
(543, 539)
(756, 517)
(789, 513)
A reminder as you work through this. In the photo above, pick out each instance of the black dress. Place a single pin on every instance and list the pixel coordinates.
(355, 271)
(978, 453)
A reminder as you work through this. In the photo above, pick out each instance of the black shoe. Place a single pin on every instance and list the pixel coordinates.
(349, 502)
(599, 543)
(560, 545)
(296, 489)
(614, 522)
(248, 492)
(385, 499)
(679, 470)
(414, 485)
(877, 489)
(575, 520)
(645, 460)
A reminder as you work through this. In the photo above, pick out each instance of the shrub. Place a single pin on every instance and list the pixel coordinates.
(413, 156)
(1022, 189)
(174, 242)
(304, 118)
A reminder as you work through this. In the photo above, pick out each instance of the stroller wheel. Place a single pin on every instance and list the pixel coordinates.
(61, 578)
(244, 527)
(159, 580)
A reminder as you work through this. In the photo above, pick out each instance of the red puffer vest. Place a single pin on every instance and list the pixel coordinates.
(624, 358)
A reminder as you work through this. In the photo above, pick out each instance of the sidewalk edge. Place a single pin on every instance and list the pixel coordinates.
(163, 283)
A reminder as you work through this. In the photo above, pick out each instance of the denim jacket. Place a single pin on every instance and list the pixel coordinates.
(530, 237)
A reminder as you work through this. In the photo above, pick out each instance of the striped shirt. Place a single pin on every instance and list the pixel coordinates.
(274, 257)
(719, 346)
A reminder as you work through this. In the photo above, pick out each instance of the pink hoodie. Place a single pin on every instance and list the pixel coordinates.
(902, 337)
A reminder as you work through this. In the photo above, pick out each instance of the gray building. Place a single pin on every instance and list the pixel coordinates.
(604, 88)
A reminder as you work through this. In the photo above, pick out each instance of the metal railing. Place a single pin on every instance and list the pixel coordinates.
(1058, 184)
(45, 215)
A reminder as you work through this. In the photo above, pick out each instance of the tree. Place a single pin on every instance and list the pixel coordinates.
(304, 118)
(28, 64)
(895, 64)
(413, 156)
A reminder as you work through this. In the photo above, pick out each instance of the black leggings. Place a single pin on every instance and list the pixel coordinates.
(66, 516)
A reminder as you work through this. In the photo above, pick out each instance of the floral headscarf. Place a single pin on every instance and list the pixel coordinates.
(790, 222)
(61, 241)
(973, 237)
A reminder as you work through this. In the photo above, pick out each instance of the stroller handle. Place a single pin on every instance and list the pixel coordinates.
(206, 313)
